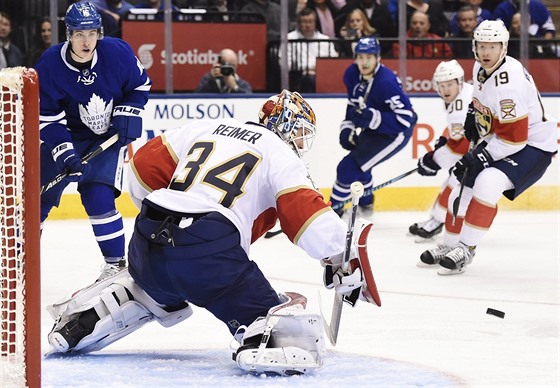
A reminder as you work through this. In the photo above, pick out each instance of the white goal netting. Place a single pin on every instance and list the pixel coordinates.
(13, 251)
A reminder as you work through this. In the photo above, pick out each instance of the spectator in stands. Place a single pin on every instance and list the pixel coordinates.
(481, 14)
(439, 24)
(41, 41)
(541, 21)
(294, 8)
(467, 22)
(159, 5)
(419, 29)
(379, 18)
(302, 55)
(538, 48)
(326, 14)
(270, 13)
(356, 27)
(223, 77)
(10, 54)
(218, 9)
(111, 12)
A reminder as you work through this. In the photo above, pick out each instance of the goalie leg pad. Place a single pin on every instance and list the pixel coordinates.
(118, 310)
(288, 341)
(166, 316)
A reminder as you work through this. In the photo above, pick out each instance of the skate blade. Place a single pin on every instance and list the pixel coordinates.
(421, 264)
(442, 271)
(421, 240)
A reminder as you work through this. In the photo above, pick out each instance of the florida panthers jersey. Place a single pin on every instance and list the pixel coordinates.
(384, 93)
(508, 110)
(457, 145)
(79, 104)
(245, 172)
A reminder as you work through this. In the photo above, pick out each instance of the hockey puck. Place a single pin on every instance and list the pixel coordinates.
(497, 313)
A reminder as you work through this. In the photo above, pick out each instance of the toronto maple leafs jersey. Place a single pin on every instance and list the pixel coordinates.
(508, 110)
(78, 104)
(245, 172)
(457, 144)
(382, 92)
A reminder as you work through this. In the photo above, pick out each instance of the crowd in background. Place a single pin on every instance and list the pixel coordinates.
(435, 28)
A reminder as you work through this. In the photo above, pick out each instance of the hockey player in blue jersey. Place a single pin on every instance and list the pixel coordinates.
(378, 124)
(90, 89)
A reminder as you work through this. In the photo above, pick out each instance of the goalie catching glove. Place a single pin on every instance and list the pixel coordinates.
(348, 283)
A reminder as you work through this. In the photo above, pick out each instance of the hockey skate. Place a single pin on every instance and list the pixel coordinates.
(425, 231)
(432, 257)
(288, 341)
(110, 269)
(455, 261)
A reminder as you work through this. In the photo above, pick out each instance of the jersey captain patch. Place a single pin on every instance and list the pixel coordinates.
(507, 109)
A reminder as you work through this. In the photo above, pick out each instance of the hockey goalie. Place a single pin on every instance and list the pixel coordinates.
(206, 191)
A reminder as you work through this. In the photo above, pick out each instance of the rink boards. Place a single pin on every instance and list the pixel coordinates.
(412, 193)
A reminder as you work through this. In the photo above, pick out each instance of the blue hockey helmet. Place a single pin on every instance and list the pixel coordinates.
(83, 16)
(368, 45)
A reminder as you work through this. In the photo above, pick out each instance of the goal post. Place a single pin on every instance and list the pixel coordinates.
(20, 286)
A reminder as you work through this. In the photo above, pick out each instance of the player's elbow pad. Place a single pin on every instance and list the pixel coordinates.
(128, 121)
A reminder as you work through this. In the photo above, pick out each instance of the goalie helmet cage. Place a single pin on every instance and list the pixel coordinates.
(20, 291)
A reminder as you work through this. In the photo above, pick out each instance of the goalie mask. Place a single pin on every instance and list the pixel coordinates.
(83, 16)
(290, 117)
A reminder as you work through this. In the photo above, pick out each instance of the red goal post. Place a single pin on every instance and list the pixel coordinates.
(20, 287)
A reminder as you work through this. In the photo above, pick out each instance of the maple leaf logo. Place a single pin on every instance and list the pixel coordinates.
(96, 115)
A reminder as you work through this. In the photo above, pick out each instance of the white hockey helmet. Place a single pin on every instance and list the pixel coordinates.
(284, 114)
(447, 71)
(491, 31)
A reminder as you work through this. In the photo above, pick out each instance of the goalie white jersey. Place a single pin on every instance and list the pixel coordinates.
(248, 174)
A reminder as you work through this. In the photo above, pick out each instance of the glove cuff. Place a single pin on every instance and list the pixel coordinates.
(61, 149)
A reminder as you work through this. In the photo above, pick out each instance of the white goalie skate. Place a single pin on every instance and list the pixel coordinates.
(288, 341)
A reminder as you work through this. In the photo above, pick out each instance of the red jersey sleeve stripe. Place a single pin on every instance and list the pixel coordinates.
(297, 209)
(154, 164)
(513, 132)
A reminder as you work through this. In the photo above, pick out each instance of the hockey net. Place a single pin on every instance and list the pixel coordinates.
(20, 296)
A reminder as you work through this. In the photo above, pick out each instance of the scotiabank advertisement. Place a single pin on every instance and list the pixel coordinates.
(419, 73)
(196, 46)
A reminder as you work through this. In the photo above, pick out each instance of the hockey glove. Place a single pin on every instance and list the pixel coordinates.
(368, 118)
(471, 133)
(67, 160)
(127, 120)
(348, 283)
(426, 164)
(348, 137)
(473, 163)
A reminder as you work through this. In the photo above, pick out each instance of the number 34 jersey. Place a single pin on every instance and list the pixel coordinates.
(245, 172)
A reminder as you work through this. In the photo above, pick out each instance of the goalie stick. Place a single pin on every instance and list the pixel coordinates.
(357, 190)
(380, 186)
(102, 147)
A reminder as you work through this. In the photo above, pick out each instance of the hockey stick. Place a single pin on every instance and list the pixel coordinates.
(380, 186)
(102, 147)
(457, 201)
(357, 190)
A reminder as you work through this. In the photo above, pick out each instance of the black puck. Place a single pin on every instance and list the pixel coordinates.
(497, 313)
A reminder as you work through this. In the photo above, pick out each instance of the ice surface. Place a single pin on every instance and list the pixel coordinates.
(430, 331)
